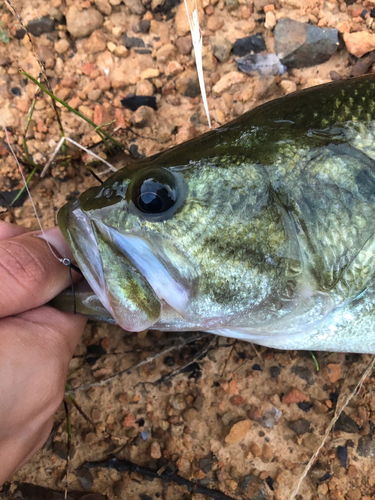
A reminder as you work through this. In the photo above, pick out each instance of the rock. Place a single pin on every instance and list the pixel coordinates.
(94, 95)
(97, 42)
(236, 400)
(209, 62)
(183, 465)
(177, 401)
(62, 46)
(184, 45)
(249, 45)
(262, 64)
(305, 406)
(42, 25)
(275, 371)
(293, 396)
(155, 450)
(228, 80)
(215, 23)
(103, 83)
(150, 73)
(135, 6)
(56, 14)
(300, 427)
(231, 5)
(220, 47)
(238, 432)
(270, 22)
(359, 43)
(145, 88)
(187, 83)
(342, 453)
(104, 7)
(255, 450)
(144, 26)
(205, 464)
(165, 53)
(85, 478)
(181, 20)
(300, 45)
(260, 4)
(82, 23)
(270, 417)
(332, 372)
(132, 41)
(366, 447)
(302, 371)
(254, 488)
(173, 68)
(10, 115)
(346, 424)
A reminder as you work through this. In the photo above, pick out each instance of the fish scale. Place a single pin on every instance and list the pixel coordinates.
(267, 232)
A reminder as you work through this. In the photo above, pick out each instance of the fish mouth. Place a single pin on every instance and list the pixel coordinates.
(140, 255)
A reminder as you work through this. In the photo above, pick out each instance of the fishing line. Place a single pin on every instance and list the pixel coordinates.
(28, 192)
(64, 260)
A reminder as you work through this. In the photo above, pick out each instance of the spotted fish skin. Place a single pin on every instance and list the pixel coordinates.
(270, 237)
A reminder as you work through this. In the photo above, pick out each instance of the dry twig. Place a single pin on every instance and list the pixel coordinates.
(339, 410)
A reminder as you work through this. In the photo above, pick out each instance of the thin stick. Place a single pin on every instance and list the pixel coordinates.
(336, 416)
(66, 105)
(177, 371)
(111, 167)
(166, 475)
(28, 191)
(150, 358)
(41, 65)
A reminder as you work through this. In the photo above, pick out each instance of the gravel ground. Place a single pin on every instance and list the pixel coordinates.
(216, 412)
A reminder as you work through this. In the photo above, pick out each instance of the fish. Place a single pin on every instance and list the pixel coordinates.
(261, 230)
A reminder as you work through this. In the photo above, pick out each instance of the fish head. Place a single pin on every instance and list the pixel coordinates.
(182, 244)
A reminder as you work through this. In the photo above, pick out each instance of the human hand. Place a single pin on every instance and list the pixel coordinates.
(36, 342)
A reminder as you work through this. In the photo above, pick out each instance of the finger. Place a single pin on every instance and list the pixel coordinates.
(42, 342)
(8, 230)
(30, 275)
(55, 333)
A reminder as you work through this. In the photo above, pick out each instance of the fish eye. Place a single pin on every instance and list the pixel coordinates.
(154, 197)
(155, 193)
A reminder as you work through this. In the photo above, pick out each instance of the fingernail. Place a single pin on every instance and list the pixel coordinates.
(54, 237)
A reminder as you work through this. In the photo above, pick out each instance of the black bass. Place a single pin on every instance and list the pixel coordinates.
(261, 230)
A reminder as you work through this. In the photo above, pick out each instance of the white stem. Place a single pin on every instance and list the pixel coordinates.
(60, 143)
(197, 42)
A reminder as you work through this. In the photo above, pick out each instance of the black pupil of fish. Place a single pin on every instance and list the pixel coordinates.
(155, 198)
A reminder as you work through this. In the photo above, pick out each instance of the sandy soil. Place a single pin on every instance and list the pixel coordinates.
(239, 420)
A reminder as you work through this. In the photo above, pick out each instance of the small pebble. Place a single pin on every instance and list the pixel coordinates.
(332, 372)
(300, 427)
(62, 46)
(177, 401)
(187, 83)
(82, 23)
(155, 450)
(85, 478)
(215, 23)
(293, 396)
(221, 48)
(184, 45)
(238, 432)
(42, 25)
